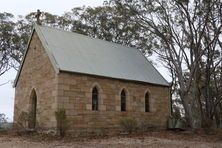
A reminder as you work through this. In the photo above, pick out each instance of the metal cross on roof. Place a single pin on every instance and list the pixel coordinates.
(38, 14)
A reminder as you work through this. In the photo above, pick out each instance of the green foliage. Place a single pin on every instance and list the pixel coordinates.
(108, 23)
(62, 122)
(128, 124)
(6, 38)
(13, 40)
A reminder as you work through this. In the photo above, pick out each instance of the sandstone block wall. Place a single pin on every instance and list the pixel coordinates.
(37, 74)
(75, 95)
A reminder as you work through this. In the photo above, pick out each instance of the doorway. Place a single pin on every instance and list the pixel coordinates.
(33, 108)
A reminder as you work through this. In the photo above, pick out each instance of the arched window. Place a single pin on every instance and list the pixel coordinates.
(95, 99)
(147, 102)
(123, 100)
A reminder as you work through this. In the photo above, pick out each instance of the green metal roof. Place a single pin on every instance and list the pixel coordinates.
(77, 53)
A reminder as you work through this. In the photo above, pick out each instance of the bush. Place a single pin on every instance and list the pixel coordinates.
(62, 122)
(26, 120)
(144, 125)
(128, 124)
(23, 120)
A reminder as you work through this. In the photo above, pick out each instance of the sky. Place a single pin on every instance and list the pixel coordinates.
(23, 7)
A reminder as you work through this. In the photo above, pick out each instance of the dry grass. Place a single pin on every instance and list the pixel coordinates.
(171, 139)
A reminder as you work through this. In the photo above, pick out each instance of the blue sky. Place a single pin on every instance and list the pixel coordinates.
(23, 7)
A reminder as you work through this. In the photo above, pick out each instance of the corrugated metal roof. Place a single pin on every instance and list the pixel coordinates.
(78, 53)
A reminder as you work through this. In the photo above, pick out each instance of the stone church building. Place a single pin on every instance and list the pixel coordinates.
(95, 81)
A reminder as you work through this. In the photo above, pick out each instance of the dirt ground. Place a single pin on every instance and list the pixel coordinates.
(164, 139)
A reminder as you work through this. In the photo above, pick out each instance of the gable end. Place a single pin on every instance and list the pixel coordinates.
(51, 58)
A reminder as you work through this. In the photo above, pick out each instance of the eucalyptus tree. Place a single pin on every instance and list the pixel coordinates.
(6, 33)
(181, 32)
(108, 23)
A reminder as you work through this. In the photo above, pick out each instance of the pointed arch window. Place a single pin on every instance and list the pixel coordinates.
(147, 102)
(95, 99)
(123, 100)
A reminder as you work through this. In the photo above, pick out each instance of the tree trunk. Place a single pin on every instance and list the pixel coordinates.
(197, 97)
(187, 108)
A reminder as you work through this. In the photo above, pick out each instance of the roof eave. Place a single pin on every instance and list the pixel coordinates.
(48, 51)
(121, 79)
(23, 59)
